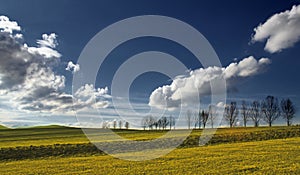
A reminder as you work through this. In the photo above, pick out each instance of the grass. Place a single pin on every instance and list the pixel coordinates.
(65, 135)
(280, 156)
(64, 150)
(3, 127)
(41, 136)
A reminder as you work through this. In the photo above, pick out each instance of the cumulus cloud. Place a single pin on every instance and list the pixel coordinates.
(87, 95)
(88, 89)
(14, 60)
(184, 88)
(49, 100)
(72, 67)
(18, 36)
(280, 31)
(245, 68)
(8, 26)
(29, 83)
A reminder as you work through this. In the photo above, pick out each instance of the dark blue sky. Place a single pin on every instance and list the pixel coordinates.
(228, 26)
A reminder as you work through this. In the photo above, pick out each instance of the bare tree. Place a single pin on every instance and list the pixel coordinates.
(255, 113)
(163, 122)
(144, 122)
(288, 110)
(159, 123)
(212, 114)
(155, 124)
(231, 113)
(197, 120)
(245, 112)
(270, 109)
(115, 124)
(171, 121)
(126, 125)
(166, 122)
(150, 121)
(105, 125)
(120, 124)
(204, 117)
(189, 118)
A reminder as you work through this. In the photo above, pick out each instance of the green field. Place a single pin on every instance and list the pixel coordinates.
(3, 127)
(62, 150)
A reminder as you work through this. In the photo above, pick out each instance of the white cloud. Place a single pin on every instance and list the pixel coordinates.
(48, 40)
(46, 46)
(87, 95)
(14, 60)
(44, 51)
(28, 82)
(246, 67)
(183, 89)
(87, 90)
(43, 76)
(72, 67)
(18, 36)
(281, 30)
(8, 26)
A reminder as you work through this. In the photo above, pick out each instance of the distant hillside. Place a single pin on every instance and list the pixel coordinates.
(39, 127)
(51, 127)
(3, 127)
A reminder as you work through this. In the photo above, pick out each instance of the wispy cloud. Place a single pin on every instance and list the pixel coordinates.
(45, 46)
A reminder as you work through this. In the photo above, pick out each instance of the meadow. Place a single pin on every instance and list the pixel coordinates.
(63, 150)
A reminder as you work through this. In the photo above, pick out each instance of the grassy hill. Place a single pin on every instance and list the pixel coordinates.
(3, 127)
(49, 127)
(50, 135)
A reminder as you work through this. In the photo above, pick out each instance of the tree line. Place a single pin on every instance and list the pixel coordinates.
(162, 123)
(267, 110)
(116, 124)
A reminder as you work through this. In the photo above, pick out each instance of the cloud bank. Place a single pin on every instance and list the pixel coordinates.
(184, 88)
(280, 31)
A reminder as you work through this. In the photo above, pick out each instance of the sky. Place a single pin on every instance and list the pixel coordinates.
(257, 43)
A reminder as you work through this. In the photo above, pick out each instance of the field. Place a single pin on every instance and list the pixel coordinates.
(61, 150)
